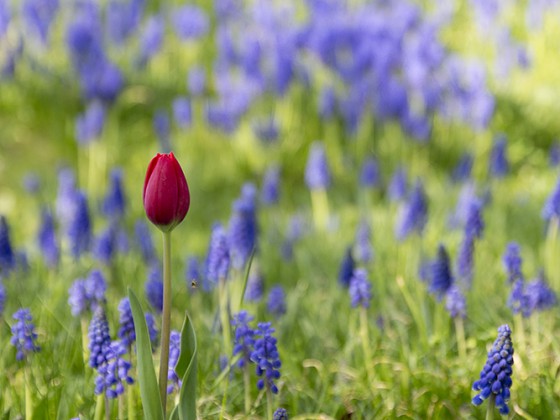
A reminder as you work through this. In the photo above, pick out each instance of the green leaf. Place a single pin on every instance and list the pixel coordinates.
(149, 390)
(186, 368)
(246, 279)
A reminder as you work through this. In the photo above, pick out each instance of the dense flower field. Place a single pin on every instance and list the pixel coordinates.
(359, 203)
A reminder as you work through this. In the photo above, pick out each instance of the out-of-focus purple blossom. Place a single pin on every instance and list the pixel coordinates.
(280, 414)
(364, 247)
(7, 256)
(536, 11)
(464, 203)
(441, 276)
(123, 18)
(276, 302)
(113, 374)
(244, 338)
(193, 272)
(151, 38)
(425, 270)
(539, 294)
(190, 22)
(455, 302)
(174, 382)
(154, 288)
(266, 357)
(218, 256)
(152, 330)
(255, 287)
(104, 245)
(512, 54)
(551, 207)
(317, 172)
(474, 224)
(46, 240)
(360, 288)
(89, 125)
(512, 262)
(370, 176)
(196, 81)
(5, 17)
(66, 196)
(114, 203)
(327, 103)
(518, 300)
(462, 171)
(79, 230)
(126, 333)
(465, 258)
(413, 214)
(226, 9)
(144, 241)
(38, 16)
(182, 112)
(346, 268)
(2, 298)
(87, 294)
(24, 337)
(554, 155)
(270, 191)
(162, 128)
(398, 185)
(99, 338)
(499, 165)
(266, 130)
(31, 183)
(243, 229)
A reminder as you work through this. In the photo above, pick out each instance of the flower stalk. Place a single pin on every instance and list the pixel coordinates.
(166, 319)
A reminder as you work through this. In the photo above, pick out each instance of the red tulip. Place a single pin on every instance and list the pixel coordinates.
(166, 193)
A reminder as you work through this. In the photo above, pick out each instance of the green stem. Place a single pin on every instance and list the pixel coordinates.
(269, 403)
(166, 319)
(460, 332)
(99, 404)
(247, 385)
(520, 330)
(107, 408)
(364, 335)
(320, 206)
(85, 349)
(490, 408)
(122, 406)
(224, 315)
(28, 395)
(130, 392)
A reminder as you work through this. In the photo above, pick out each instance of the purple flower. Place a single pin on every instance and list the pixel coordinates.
(31, 183)
(190, 22)
(552, 205)
(465, 259)
(554, 155)
(413, 214)
(79, 230)
(364, 247)
(441, 276)
(7, 256)
(24, 337)
(126, 333)
(474, 224)
(495, 377)
(89, 125)
(266, 357)
(38, 16)
(2, 298)
(317, 172)
(518, 300)
(144, 241)
(512, 262)
(276, 303)
(255, 287)
(182, 112)
(113, 373)
(398, 185)
(455, 302)
(360, 288)
(114, 203)
(47, 240)
(327, 103)
(87, 294)
(462, 171)
(499, 165)
(346, 268)
(370, 176)
(66, 196)
(123, 18)
(280, 414)
(243, 229)
(196, 81)
(266, 130)
(193, 272)
(539, 294)
(174, 382)
(270, 192)
(218, 256)
(99, 338)
(244, 338)
(154, 288)
(151, 38)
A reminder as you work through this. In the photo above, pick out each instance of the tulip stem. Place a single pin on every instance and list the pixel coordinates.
(166, 319)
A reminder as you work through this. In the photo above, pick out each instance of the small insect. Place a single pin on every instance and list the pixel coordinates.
(194, 284)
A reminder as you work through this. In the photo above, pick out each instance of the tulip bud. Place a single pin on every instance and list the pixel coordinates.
(166, 193)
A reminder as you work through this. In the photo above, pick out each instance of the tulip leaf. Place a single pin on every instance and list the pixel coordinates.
(186, 369)
(149, 389)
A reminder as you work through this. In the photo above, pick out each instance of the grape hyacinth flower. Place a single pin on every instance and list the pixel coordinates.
(551, 208)
(154, 288)
(346, 268)
(151, 39)
(512, 262)
(462, 171)
(144, 241)
(24, 337)
(474, 224)
(2, 298)
(270, 192)
(539, 294)
(243, 227)
(182, 112)
(370, 176)
(65, 198)
(276, 303)
(193, 274)
(499, 165)
(114, 203)
(190, 22)
(317, 172)
(413, 214)
(126, 332)
(47, 240)
(495, 378)
(99, 338)
(196, 81)
(87, 294)
(441, 276)
(398, 185)
(244, 338)
(255, 287)
(266, 357)
(280, 414)
(173, 380)
(7, 256)
(455, 302)
(89, 125)
(113, 374)
(105, 244)
(360, 289)
(364, 248)
(518, 300)
(79, 230)
(218, 257)
(152, 330)
(554, 155)
(465, 259)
